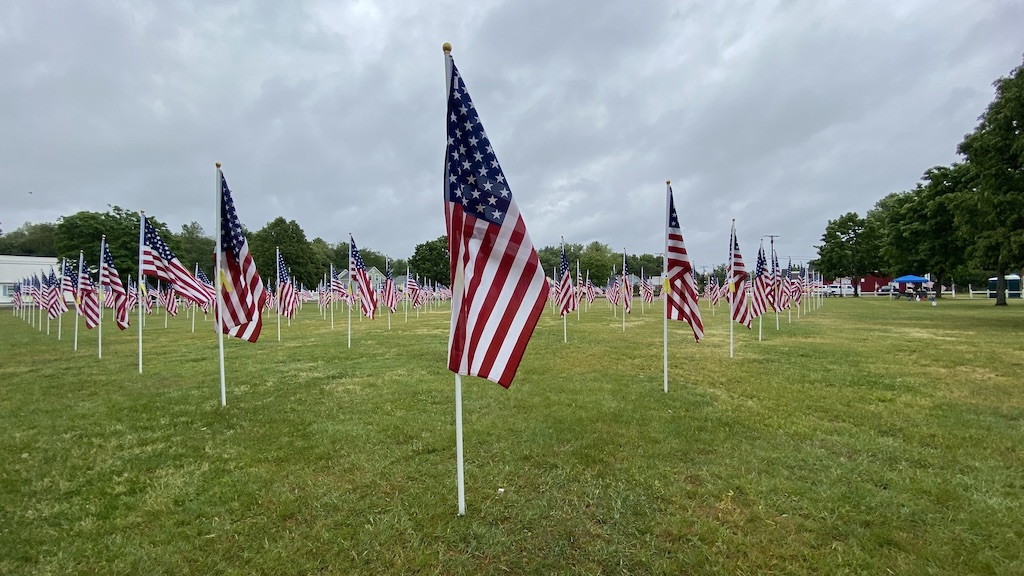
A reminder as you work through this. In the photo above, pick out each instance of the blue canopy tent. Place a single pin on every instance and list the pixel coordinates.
(910, 278)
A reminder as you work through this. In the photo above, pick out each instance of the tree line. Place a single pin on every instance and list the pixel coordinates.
(960, 223)
(308, 260)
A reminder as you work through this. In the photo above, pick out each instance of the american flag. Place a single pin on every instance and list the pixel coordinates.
(17, 302)
(737, 278)
(241, 286)
(581, 288)
(796, 287)
(338, 291)
(611, 291)
(591, 293)
(681, 296)
(762, 285)
(133, 294)
(88, 300)
(171, 300)
(785, 295)
(367, 296)
(111, 280)
(646, 289)
(780, 295)
(205, 281)
(158, 261)
(627, 286)
(390, 296)
(55, 305)
(68, 280)
(793, 286)
(287, 299)
(146, 295)
(566, 294)
(498, 287)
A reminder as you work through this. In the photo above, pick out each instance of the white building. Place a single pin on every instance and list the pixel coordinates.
(15, 268)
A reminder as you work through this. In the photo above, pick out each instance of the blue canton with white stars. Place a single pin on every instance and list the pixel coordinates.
(69, 273)
(282, 273)
(355, 255)
(564, 266)
(475, 179)
(762, 264)
(673, 218)
(108, 259)
(153, 240)
(231, 237)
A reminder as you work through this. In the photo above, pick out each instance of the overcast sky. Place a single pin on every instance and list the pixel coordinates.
(782, 115)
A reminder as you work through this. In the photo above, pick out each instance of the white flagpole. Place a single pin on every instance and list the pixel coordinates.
(622, 289)
(776, 285)
(642, 283)
(460, 468)
(732, 287)
(164, 298)
(60, 294)
(194, 303)
(220, 294)
(351, 297)
(664, 282)
(332, 295)
(99, 293)
(78, 302)
(387, 266)
(277, 287)
(579, 300)
(405, 293)
(141, 284)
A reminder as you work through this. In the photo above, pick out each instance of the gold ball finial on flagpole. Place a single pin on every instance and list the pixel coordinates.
(217, 164)
(446, 47)
(668, 182)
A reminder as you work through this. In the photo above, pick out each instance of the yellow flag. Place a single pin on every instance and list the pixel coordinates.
(224, 281)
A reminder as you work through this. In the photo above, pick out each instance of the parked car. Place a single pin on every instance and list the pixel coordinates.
(844, 290)
(884, 291)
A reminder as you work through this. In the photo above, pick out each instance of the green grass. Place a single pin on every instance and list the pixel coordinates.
(869, 437)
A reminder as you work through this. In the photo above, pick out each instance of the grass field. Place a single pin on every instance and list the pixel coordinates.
(868, 437)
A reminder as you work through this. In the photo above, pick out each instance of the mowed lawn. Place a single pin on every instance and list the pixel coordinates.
(867, 437)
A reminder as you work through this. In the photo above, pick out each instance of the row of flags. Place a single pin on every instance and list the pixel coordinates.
(498, 287)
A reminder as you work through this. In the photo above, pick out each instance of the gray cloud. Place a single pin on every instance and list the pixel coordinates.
(779, 114)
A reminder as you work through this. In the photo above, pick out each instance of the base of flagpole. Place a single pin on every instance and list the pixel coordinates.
(459, 462)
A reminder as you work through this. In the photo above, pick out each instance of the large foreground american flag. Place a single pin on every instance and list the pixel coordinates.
(241, 286)
(681, 296)
(498, 285)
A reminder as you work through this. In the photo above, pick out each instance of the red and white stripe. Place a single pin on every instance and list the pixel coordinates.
(736, 276)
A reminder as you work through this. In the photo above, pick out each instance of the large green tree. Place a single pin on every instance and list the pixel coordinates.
(551, 258)
(30, 240)
(992, 210)
(430, 260)
(196, 247)
(598, 259)
(849, 248)
(298, 255)
(83, 231)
